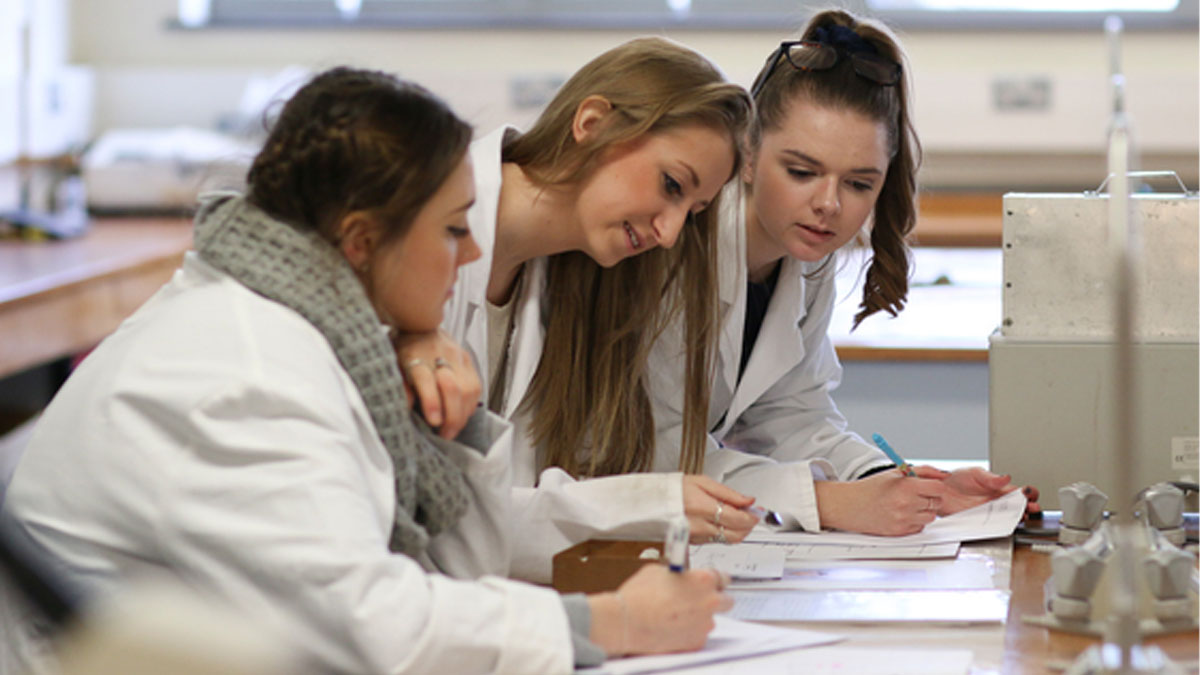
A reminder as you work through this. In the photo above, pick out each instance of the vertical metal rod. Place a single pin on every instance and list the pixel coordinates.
(24, 107)
(1123, 627)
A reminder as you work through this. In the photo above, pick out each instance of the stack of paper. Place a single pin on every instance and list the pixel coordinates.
(872, 606)
(865, 578)
(731, 639)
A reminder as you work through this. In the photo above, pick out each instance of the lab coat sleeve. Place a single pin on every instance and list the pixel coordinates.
(561, 512)
(279, 515)
(785, 487)
(479, 545)
(796, 418)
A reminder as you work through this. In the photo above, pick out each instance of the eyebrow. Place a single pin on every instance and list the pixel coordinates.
(466, 206)
(813, 160)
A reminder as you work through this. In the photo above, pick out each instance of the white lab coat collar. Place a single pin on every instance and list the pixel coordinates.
(780, 343)
(731, 283)
(466, 313)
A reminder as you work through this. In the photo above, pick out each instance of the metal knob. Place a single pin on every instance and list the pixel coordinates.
(1082, 510)
(1076, 572)
(1169, 572)
(1163, 506)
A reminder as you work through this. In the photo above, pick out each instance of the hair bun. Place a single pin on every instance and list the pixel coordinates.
(842, 37)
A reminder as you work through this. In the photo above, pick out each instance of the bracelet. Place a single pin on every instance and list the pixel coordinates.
(874, 470)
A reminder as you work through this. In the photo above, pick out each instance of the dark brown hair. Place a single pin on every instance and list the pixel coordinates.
(895, 215)
(356, 140)
(588, 399)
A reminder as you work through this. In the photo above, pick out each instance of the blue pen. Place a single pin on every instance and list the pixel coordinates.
(893, 455)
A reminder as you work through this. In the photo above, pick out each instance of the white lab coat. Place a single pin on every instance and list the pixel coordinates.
(145, 463)
(778, 429)
(560, 511)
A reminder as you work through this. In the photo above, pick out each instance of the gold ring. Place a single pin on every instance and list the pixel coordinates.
(717, 516)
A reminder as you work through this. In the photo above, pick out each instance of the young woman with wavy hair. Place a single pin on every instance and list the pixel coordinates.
(832, 153)
(597, 228)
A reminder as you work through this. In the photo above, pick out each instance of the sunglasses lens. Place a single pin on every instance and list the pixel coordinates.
(812, 56)
(876, 68)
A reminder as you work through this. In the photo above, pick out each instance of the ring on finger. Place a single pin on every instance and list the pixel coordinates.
(717, 515)
(413, 363)
(931, 504)
(440, 362)
(721, 535)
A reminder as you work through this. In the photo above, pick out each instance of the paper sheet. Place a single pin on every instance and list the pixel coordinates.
(817, 550)
(968, 573)
(845, 659)
(740, 562)
(946, 606)
(997, 518)
(731, 639)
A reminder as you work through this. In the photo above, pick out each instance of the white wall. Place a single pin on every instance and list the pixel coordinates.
(147, 74)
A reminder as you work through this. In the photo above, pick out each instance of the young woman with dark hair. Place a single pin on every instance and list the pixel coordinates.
(247, 432)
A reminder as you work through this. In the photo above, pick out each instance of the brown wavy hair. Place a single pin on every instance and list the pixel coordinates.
(356, 140)
(588, 400)
(895, 214)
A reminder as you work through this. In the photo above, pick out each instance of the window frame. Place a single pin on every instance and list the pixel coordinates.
(651, 14)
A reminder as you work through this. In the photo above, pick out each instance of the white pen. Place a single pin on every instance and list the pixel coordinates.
(676, 544)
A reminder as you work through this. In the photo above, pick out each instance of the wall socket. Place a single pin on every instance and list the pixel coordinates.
(1022, 94)
(1185, 453)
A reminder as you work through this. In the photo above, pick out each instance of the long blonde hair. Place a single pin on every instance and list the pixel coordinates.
(588, 399)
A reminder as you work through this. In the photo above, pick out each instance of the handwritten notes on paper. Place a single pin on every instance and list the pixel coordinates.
(826, 575)
(740, 561)
(812, 548)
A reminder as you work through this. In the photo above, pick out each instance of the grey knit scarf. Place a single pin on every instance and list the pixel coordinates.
(301, 270)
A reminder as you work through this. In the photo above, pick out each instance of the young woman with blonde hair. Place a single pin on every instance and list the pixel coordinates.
(246, 431)
(831, 151)
(588, 222)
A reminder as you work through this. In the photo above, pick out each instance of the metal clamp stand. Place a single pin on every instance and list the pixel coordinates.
(1122, 652)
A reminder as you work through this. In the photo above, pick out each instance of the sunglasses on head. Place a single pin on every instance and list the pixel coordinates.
(806, 55)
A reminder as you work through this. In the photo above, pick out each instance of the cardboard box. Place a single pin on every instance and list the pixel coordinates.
(597, 565)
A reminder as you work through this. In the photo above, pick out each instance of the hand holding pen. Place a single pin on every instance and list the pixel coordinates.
(660, 609)
(967, 487)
